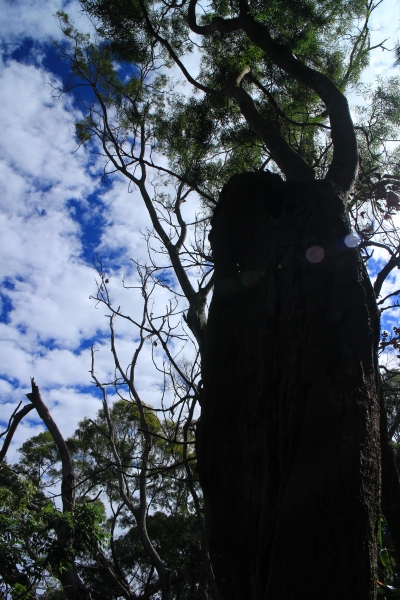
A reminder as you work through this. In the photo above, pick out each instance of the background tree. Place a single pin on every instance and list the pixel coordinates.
(118, 557)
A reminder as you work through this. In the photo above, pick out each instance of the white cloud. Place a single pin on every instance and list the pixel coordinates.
(46, 282)
(29, 18)
(125, 215)
(37, 130)
(384, 26)
(44, 275)
(32, 19)
(41, 247)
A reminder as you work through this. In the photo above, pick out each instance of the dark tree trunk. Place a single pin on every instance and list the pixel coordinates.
(288, 441)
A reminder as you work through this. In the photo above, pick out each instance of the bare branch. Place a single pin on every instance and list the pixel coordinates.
(383, 274)
(13, 423)
(139, 512)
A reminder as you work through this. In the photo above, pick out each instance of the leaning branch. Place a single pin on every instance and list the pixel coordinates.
(344, 166)
(291, 164)
(383, 274)
(15, 419)
(68, 476)
(217, 25)
(72, 585)
(343, 169)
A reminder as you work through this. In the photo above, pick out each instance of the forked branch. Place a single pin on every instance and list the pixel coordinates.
(343, 169)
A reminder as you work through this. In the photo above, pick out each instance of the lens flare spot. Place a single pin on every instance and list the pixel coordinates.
(352, 240)
(315, 254)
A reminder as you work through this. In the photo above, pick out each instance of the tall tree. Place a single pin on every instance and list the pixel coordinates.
(289, 448)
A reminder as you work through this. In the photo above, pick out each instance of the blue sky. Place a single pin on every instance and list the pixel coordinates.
(56, 214)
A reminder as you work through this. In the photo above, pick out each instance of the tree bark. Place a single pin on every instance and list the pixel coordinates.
(289, 440)
(390, 486)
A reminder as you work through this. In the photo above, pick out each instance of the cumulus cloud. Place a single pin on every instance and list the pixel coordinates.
(386, 30)
(36, 20)
(48, 198)
(48, 283)
(51, 204)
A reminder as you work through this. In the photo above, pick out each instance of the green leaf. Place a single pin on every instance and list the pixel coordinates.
(381, 520)
(386, 590)
(386, 560)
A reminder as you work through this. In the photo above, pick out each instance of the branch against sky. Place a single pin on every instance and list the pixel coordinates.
(123, 106)
(131, 465)
(48, 286)
(52, 285)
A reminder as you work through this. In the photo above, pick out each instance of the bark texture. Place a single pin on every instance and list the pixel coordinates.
(288, 440)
